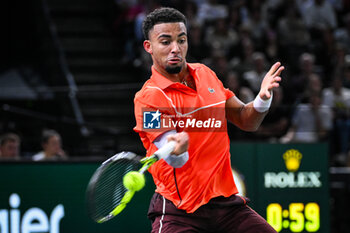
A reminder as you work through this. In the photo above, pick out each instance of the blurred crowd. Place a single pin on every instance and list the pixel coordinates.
(241, 39)
(51, 144)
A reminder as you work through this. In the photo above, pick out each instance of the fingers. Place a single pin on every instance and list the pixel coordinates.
(273, 68)
(279, 71)
(275, 81)
(182, 142)
(276, 75)
(276, 69)
(271, 80)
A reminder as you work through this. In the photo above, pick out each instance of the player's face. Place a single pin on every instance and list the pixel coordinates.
(168, 46)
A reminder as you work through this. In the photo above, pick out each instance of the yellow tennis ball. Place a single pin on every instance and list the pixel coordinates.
(134, 181)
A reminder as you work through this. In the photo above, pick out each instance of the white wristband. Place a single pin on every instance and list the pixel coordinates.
(175, 161)
(261, 105)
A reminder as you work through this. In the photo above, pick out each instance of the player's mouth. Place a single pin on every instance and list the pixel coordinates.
(174, 60)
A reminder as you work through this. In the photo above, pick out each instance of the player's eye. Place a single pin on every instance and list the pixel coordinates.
(165, 42)
(182, 41)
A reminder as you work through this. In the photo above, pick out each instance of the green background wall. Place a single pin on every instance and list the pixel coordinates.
(45, 185)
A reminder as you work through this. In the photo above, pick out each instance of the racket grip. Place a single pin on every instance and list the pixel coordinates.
(165, 150)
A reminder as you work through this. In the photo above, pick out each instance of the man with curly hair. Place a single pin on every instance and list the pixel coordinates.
(195, 191)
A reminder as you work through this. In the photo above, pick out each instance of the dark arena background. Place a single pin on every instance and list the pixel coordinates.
(70, 69)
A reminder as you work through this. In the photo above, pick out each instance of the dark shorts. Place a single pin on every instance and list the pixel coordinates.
(226, 215)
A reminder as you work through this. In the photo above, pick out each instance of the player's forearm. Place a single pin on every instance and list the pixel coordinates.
(249, 118)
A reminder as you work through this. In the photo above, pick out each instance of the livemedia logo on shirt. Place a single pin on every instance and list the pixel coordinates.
(198, 121)
(151, 119)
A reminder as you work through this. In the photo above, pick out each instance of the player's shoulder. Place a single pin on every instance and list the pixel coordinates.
(149, 94)
(205, 73)
(199, 66)
(145, 90)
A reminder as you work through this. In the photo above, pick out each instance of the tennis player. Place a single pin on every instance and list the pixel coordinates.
(195, 190)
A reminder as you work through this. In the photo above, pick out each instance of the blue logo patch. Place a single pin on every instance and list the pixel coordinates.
(151, 120)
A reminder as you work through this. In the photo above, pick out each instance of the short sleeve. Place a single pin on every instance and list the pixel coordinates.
(150, 101)
(229, 93)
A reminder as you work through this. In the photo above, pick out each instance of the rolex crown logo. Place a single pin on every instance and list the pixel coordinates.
(292, 159)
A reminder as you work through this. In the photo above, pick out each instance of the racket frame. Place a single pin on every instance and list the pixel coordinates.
(147, 163)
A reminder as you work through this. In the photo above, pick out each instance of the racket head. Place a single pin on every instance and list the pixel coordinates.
(105, 191)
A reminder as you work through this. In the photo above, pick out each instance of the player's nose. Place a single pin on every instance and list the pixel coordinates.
(175, 48)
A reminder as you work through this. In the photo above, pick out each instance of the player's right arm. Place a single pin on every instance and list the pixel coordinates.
(152, 99)
(179, 156)
(182, 142)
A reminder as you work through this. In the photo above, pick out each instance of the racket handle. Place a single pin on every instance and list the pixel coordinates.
(165, 150)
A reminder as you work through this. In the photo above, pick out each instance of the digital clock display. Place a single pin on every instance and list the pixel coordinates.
(294, 188)
(297, 217)
(287, 183)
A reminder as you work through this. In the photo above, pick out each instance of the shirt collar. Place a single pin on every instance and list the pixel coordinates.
(164, 82)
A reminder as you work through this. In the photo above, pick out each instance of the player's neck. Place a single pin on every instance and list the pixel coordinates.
(183, 77)
(179, 77)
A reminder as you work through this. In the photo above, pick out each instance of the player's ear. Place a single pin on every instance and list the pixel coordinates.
(147, 46)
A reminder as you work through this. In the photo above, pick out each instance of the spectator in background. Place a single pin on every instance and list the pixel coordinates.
(303, 5)
(299, 81)
(342, 35)
(314, 85)
(142, 61)
(321, 21)
(293, 36)
(346, 80)
(337, 60)
(218, 63)
(210, 10)
(197, 49)
(325, 53)
(311, 122)
(191, 13)
(52, 147)
(234, 19)
(271, 48)
(243, 60)
(123, 26)
(233, 82)
(292, 30)
(221, 37)
(320, 15)
(258, 27)
(10, 146)
(276, 123)
(337, 98)
(256, 75)
(271, 10)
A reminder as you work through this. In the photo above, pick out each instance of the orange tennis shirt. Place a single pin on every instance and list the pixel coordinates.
(201, 113)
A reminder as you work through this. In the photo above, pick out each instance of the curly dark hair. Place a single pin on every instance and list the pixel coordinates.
(161, 15)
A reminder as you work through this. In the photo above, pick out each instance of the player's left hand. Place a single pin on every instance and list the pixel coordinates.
(270, 81)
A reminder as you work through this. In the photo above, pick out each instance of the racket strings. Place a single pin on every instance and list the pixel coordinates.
(109, 189)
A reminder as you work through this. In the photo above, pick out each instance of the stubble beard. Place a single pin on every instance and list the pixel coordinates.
(173, 69)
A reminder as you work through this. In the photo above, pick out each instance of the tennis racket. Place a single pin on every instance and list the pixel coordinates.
(106, 194)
